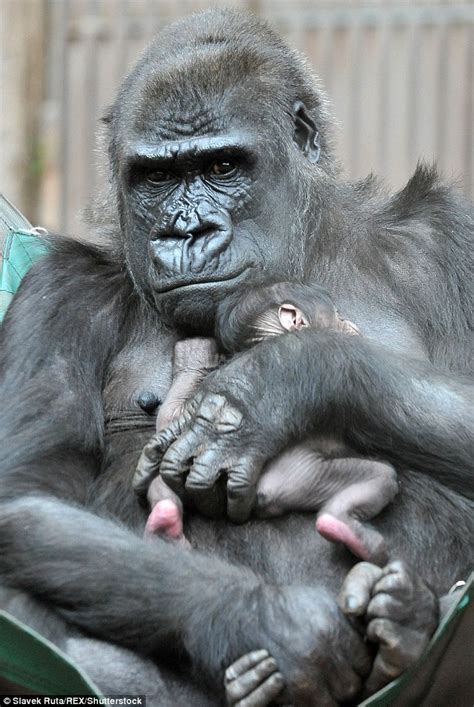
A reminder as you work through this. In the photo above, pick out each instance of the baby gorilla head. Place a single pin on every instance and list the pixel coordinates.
(261, 312)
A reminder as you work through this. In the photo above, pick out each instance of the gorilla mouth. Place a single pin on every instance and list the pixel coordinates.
(165, 288)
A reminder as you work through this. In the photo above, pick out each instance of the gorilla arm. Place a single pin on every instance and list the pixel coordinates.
(99, 576)
(381, 403)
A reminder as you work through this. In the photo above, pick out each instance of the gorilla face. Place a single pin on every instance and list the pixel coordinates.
(205, 191)
(208, 212)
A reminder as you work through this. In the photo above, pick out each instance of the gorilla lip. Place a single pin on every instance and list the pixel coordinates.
(195, 283)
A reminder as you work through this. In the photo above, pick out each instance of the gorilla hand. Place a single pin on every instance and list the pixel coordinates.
(230, 428)
(310, 653)
(401, 615)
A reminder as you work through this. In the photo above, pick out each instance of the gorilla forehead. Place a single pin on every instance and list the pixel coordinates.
(214, 63)
(202, 95)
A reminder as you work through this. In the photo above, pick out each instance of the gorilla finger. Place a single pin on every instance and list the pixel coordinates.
(241, 490)
(147, 467)
(178, 459)
(382, 673)
(385, 606)
(245, 663)
(356, 590)
(202, 484)
(351, 665)
(264, 694)
(249, 681)
(359, 656)
(206, 469)
(386, 633)
(151, 457)
(396, 580)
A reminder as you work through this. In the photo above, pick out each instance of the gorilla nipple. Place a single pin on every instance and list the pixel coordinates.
(148, 401)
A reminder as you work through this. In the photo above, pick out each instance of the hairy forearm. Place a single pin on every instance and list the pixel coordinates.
(102, 578)
(380, 402)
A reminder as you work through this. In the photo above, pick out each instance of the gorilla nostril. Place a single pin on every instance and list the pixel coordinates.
(203, 232)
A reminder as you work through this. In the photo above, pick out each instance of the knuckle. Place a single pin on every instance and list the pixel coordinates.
(233, 691)
(380, 605)
(397, 567)
(171, 466)
(199, 479)
(230, 674)
(362, 569)
(237, 486)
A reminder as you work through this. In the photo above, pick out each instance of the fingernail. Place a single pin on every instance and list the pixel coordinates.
(351, 603)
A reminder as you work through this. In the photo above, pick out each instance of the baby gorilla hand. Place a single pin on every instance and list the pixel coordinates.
(401, 615)
(253, 680)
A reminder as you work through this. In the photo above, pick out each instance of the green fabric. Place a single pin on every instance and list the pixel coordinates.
(20, 250)
(30, 661)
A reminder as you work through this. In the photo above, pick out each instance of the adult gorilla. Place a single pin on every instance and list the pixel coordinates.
(222, 173)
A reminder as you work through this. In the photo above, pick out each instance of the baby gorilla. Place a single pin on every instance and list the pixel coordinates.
(318, 474)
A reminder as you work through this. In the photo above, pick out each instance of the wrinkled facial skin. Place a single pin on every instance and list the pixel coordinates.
(205, 213)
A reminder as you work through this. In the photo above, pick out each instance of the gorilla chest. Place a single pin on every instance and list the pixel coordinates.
(137, 382)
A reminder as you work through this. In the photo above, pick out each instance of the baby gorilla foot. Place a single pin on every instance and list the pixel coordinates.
(253, 680)
(400, 611)
(166, 515)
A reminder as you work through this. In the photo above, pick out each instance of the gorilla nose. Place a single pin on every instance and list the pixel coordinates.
(194, 225)
(191, 240)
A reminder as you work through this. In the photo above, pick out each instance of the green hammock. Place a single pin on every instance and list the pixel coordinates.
(30, 661)
(20, 246)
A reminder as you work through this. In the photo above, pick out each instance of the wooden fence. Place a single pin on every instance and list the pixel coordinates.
(400, 76)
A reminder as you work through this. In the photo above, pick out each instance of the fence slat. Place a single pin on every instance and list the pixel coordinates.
(399, 75)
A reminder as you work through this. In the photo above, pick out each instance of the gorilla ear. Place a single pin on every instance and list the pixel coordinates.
(108, 116)
(306, 134)
(292, 318)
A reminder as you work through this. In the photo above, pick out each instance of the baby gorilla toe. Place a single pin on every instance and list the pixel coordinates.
(364, 542)
(165, 519)
(253, 680)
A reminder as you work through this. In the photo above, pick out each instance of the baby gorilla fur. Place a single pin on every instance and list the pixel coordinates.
(320, 474)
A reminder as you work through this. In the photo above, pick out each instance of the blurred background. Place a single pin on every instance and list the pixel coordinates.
(399, 74)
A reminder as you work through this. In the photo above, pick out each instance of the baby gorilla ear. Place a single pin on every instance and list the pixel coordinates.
(292, 318)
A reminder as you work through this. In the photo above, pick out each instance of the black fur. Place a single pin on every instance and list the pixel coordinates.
(86, 335)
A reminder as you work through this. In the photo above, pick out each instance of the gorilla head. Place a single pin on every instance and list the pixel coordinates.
(214, 139)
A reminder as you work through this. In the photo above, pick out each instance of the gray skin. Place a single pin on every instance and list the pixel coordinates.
(319, 474)
(91, 329)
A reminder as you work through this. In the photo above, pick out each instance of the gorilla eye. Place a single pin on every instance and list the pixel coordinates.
(223, 168)
(159, 177)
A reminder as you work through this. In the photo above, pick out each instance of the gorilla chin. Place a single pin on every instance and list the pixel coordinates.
(192, 305)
